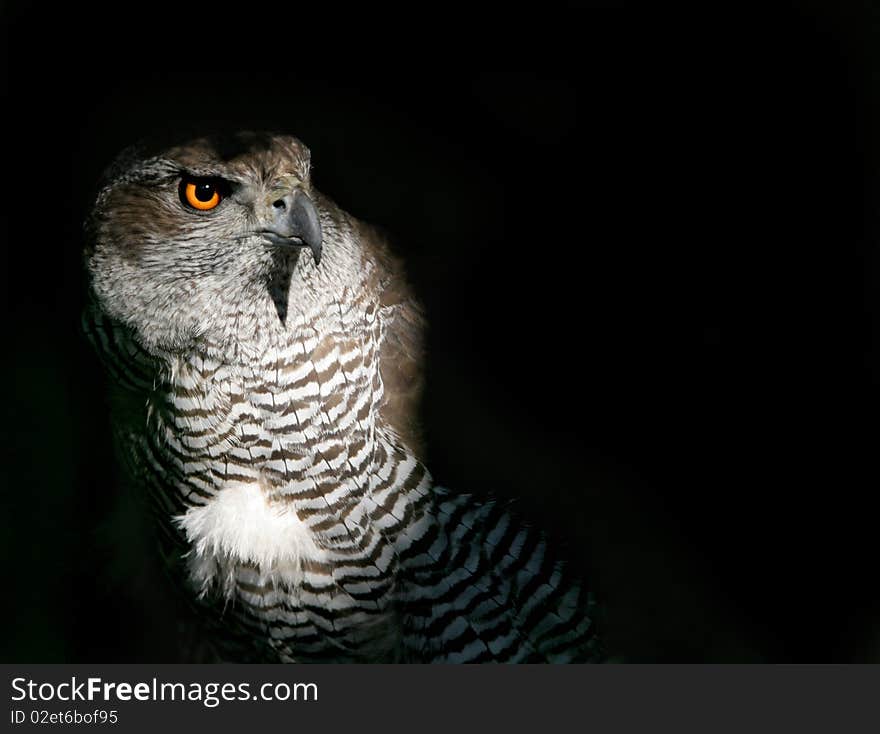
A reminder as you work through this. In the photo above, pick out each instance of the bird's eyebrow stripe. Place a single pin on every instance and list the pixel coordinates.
(198, 172)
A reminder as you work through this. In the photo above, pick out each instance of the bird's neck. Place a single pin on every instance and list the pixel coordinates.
(283, 313)
(292, 407)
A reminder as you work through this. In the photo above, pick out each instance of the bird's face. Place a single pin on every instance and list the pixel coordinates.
(189, 239)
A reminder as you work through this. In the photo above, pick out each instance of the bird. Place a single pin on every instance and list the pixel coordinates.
(267, 357)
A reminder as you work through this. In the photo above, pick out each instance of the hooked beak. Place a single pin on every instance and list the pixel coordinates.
(295, 224)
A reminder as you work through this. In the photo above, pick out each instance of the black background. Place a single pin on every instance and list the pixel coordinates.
(649, 270)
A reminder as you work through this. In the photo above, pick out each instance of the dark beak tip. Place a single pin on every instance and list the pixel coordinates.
(298, 224)
(306, 223)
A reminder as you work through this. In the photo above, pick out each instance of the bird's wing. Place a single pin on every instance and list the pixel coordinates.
(481, 586)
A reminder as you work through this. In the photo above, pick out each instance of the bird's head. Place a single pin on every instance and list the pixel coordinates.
(184, 240)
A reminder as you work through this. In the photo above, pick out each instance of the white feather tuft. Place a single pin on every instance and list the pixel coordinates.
(239, 525)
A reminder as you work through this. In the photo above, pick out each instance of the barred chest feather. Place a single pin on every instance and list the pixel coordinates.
(311, 532)
(289, 492)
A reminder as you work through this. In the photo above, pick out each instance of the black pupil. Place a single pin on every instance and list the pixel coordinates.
(204, 191)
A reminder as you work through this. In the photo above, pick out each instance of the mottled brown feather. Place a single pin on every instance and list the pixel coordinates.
(402, 352)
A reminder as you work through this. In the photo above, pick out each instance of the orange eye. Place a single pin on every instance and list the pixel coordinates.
(200, 194)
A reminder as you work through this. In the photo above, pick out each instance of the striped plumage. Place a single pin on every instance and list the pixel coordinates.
(267, 403)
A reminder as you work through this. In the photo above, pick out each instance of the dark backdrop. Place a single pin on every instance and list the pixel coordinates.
(649, 271)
